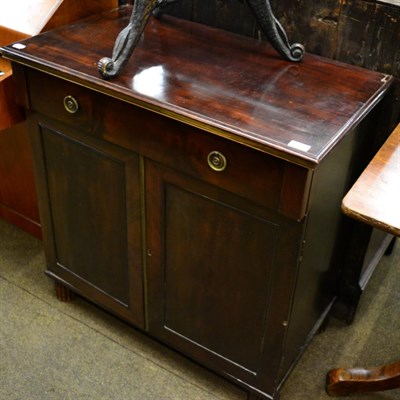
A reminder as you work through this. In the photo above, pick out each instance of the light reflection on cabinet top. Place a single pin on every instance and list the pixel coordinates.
(226, 84)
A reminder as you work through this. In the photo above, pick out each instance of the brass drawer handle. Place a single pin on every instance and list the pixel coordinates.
(217, 161)
(71, 105)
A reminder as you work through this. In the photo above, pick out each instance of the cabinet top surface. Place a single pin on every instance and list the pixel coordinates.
(230, 85)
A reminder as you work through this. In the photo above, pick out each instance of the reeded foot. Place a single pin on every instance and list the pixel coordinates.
(128, 38)
(106, 67)
(63, 293)
(344, 382)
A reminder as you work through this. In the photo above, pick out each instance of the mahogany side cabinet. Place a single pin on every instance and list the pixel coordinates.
(197, 196)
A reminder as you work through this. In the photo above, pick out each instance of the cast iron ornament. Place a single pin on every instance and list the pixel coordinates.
(142, 9)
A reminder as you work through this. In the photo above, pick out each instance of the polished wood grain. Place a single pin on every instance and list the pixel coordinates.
(284, 186)
(187, 70)
(375, 197)
(356, 32)
(374, 200)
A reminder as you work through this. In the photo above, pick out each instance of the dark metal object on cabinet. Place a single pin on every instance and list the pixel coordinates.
(142, 9)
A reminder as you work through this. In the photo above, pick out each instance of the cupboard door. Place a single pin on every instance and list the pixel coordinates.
(220, 272)
(92, 218)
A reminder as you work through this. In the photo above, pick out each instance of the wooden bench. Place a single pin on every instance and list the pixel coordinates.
(375, 200)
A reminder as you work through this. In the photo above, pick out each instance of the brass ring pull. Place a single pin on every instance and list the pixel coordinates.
(217, 161)
(71, 105)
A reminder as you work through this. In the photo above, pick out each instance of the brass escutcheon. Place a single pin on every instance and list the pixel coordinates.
(71, 105)
(217, 161)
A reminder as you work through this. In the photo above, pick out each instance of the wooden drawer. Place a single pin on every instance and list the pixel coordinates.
(262, 178)
(48, 95)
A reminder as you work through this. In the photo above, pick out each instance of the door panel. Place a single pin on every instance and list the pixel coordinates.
(220, 273)
(94, 205)
(216, 279)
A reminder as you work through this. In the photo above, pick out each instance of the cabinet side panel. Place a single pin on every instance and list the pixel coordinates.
(319, 270)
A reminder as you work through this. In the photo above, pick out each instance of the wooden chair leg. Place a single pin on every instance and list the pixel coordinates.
(63, 293)
(344, 382)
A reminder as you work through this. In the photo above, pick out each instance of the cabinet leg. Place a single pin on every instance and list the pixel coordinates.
(63, 293)
(345, 382)
(349, 290)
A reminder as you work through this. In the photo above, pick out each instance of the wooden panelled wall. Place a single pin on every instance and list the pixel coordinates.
(359, 32)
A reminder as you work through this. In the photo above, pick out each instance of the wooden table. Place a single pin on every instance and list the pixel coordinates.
(375, 200)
